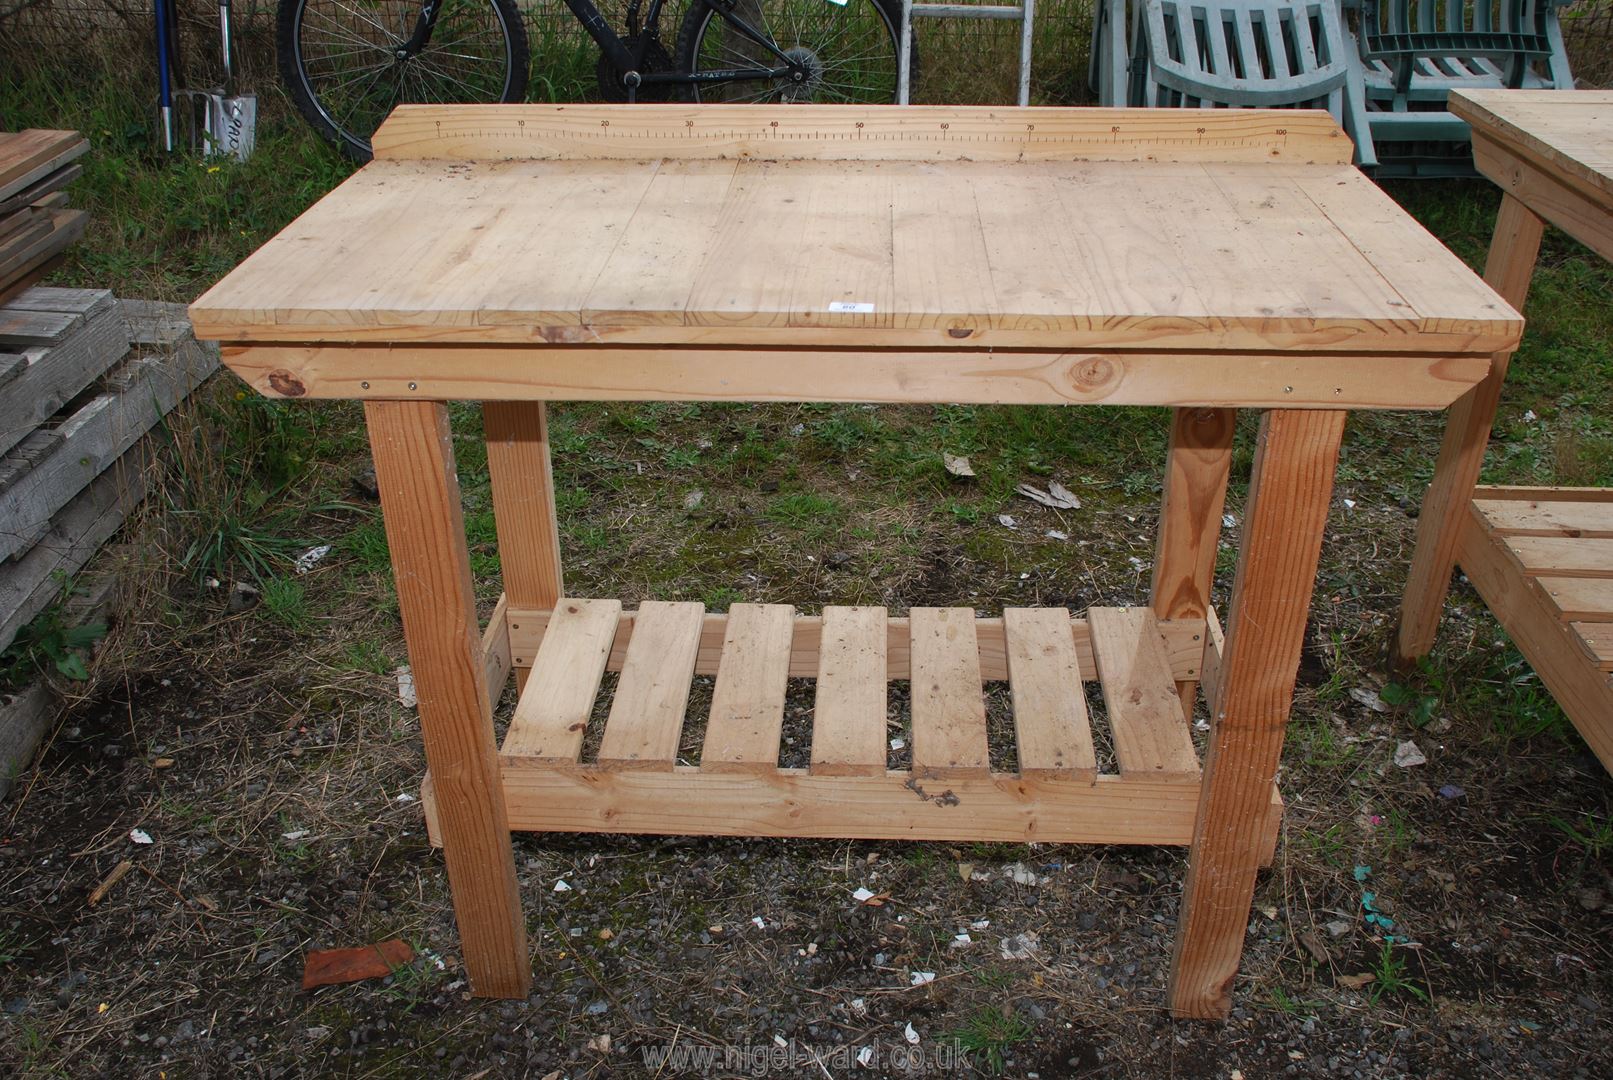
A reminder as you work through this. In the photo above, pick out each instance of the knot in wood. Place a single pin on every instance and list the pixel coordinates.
(1095, 376)
(286, 384)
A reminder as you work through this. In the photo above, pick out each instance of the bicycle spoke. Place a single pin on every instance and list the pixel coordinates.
(357, 14)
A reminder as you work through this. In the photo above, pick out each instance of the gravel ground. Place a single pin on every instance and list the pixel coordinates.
(1447, 919)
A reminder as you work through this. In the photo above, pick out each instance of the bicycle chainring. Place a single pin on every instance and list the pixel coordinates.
(656, 58)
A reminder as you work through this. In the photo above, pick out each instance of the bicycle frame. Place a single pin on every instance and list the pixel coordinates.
(628, 60)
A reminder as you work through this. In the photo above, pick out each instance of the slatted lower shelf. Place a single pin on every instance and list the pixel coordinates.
(636, 783)
(1542, 558)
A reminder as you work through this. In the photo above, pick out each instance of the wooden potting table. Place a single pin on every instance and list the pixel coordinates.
(1207, 261)
(1542, 558)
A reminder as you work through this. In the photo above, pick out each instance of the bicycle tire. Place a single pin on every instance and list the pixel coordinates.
(361, 78)
(814, 31)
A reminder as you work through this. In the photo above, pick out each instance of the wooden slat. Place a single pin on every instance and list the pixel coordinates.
(1184, 642)
(28, 220)
(420, 500)
(27, 280)
(1585, 693)
(868, 133)
(1051, 730)
(1596, 640)
(890, 806)
(1151, 735)
(792, 373)
(747, 704)
(20, 241)
(1579, 599)
(949, 706)
(1540, 494)
(1284, 522)
(1562, 556)
(1517, 517)
(646, 716)
(551, 717)
(86, 302)
(848, 720)
(23, 326)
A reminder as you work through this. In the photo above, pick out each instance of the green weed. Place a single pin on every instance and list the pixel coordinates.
(990, 1032)
(805, 510)
(1593, 837)
(11, 946)
(50, 642)
(366, 545)
(1280, 1000)
(993, 978)
(286, 601)
(1327, 845)
(1390, 977)
(367, 655)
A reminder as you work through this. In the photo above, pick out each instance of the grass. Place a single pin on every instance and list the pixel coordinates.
(990, 1033)
(1592, 836)
(1390, 977)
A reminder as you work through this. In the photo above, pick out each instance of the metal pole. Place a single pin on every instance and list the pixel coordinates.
(1026, 27)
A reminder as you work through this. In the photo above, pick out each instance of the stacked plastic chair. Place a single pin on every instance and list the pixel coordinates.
(1383, 68)
(1415, 52)
(1231, 53)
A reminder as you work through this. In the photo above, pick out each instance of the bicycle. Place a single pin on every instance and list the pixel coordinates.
(348, 63)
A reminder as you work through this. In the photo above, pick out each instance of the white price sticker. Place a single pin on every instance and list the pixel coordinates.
(849, 307)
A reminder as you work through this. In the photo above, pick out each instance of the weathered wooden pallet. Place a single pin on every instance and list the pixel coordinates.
(53, 344)
(33, 579)
(65, 458)
(1542, 559)
(26, 717)
(1061, 789)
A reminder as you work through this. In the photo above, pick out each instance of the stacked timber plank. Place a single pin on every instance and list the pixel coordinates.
(83, 379)
(35, 223)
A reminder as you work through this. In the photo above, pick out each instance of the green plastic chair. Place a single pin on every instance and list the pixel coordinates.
(1231, 54)
(1415, 52)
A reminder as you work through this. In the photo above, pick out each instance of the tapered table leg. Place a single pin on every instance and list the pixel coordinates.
(1508, 269)
(1289, 493)
(425, 528)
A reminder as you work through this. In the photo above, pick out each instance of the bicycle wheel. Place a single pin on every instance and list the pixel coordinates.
(347, 65)
(848, 51)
